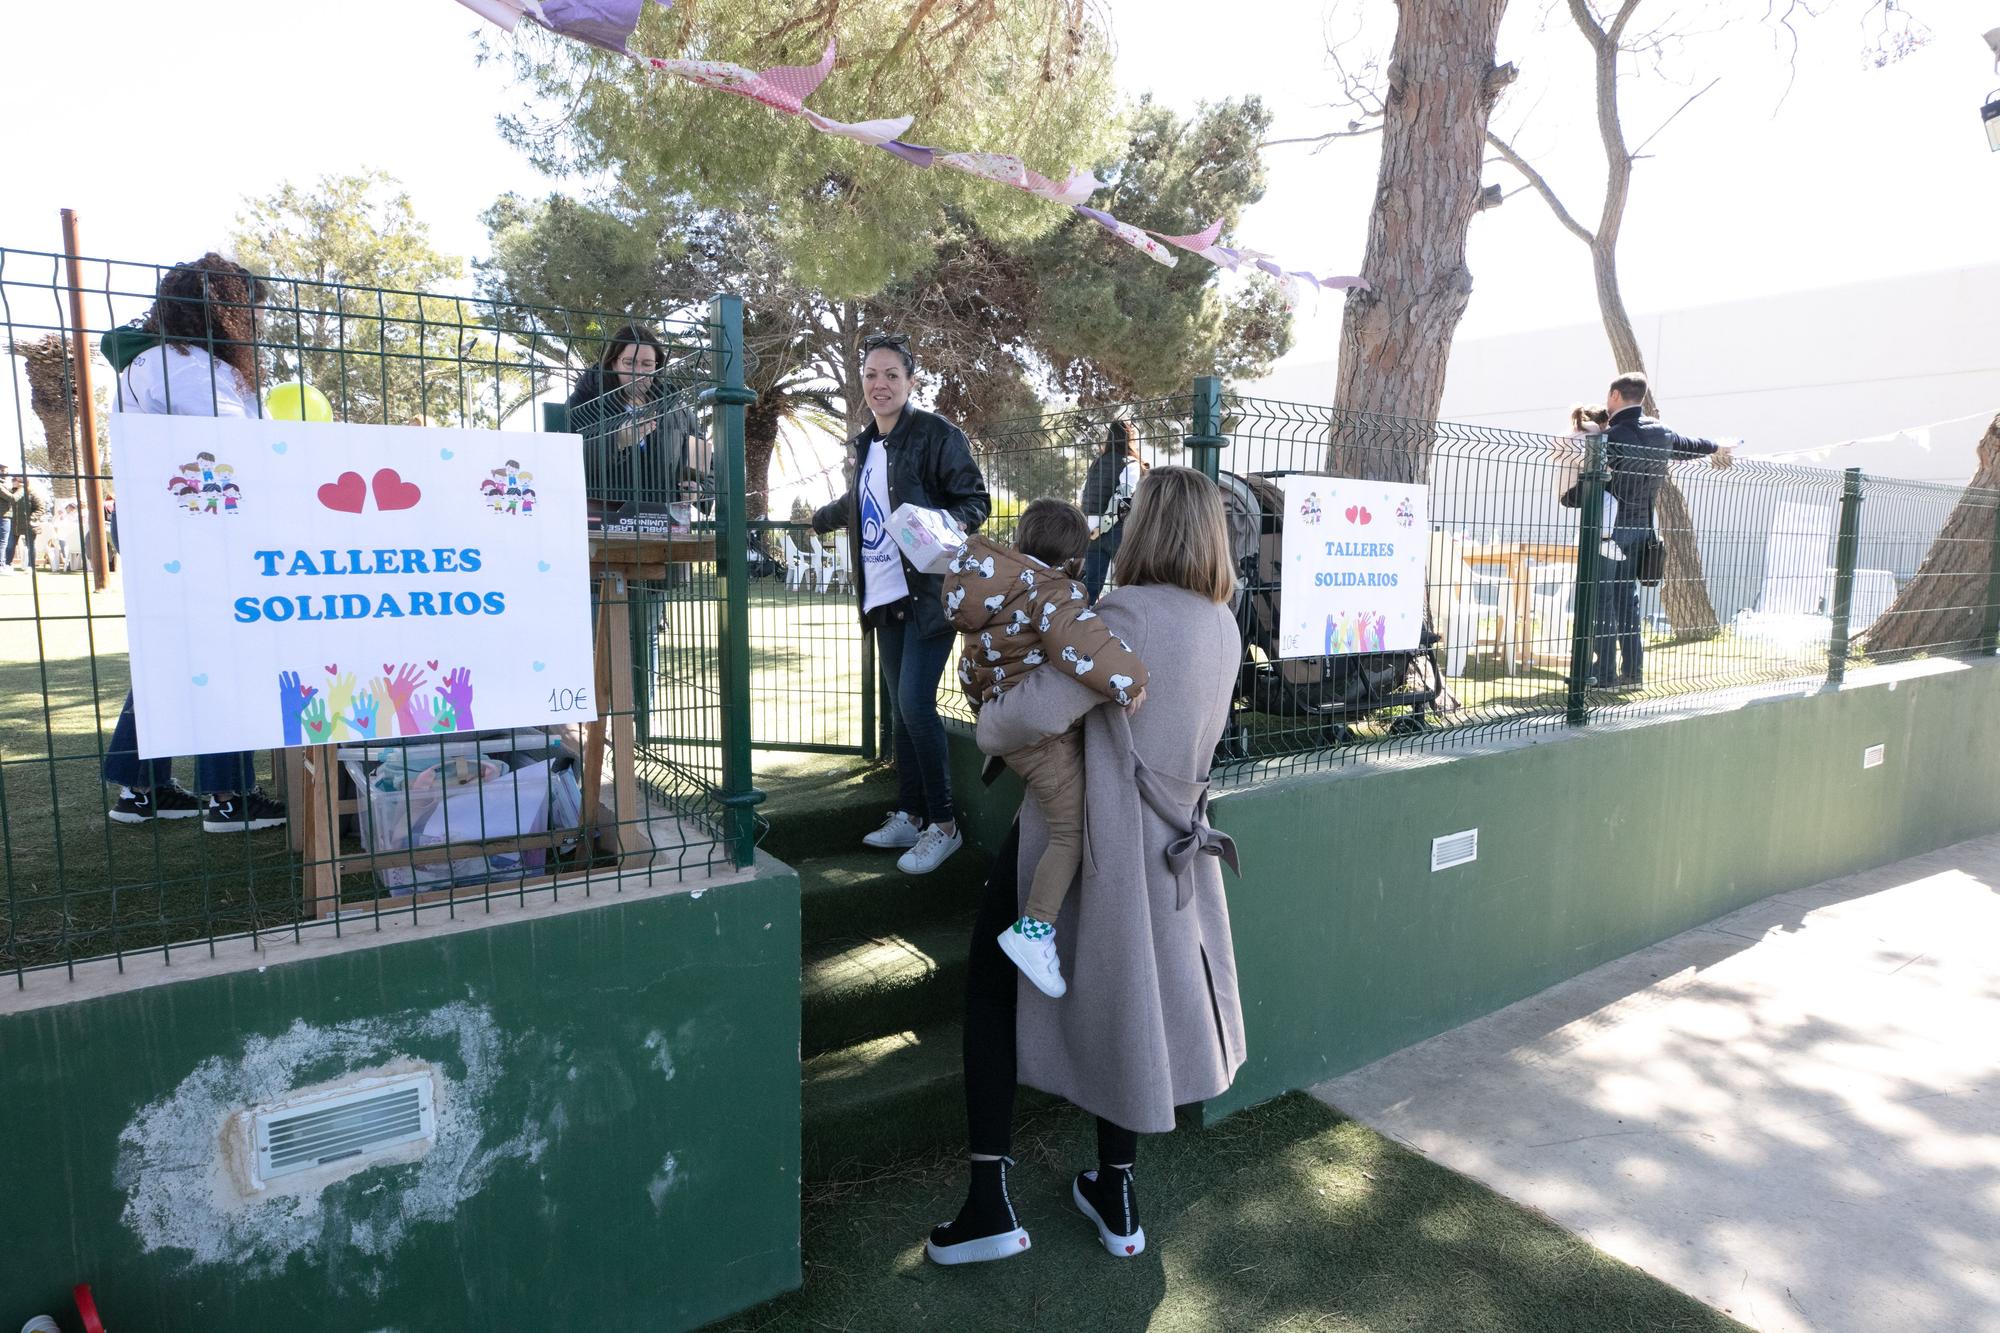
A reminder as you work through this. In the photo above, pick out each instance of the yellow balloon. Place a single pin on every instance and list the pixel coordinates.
(297, 401)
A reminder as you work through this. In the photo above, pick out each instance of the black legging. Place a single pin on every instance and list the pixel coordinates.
(990, 995)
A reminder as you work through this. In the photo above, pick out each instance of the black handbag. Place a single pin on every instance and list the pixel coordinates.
(1650, 561)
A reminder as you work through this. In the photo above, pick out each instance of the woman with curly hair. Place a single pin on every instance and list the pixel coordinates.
(202, 362)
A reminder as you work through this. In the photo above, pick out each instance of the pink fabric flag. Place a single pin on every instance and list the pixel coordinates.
(1129, 234)
(1007, 169)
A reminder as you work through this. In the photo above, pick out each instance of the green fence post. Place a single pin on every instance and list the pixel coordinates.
(1989, 632)
(1205, 435)
(1589, 535)
(870, 749)
(739, 797)
(1844, 553)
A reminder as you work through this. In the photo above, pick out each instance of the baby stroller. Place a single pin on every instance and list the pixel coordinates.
(1334, 691)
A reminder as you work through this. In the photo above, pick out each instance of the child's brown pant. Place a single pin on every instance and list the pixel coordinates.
(1053, 772)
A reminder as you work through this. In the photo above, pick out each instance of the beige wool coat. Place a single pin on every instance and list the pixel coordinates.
(1152, 1019)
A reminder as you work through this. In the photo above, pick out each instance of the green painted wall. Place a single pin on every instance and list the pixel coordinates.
(620, 1148)
(1593, 845)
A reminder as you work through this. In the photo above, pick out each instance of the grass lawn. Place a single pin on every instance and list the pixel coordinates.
(1284, 1217)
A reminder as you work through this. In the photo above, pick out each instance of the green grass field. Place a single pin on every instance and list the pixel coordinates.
(1285, 1217)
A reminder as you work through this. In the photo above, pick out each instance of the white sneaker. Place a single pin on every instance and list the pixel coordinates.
(1035, 955)
(931, 850)
(898, 831)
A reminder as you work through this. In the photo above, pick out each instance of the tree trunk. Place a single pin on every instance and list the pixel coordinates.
(1943, 609)
(1395, 336)
(1684, 590)
(760, 442)
(52, 398)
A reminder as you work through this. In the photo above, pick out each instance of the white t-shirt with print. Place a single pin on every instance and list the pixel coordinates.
(881, 558)
(185, 382)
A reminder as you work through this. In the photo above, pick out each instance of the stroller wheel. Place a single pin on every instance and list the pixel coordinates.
(1337, 733)
(1410, 724)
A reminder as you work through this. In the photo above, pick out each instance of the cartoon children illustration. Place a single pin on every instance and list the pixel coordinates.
(211, 497)
(527, 498)
(205, 461)
(231, 493)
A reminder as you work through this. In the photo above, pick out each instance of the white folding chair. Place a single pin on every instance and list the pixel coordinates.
(843, 563)
(797, 563)
(823, 561)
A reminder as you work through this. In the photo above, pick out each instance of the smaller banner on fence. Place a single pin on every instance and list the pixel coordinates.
(1353, 578)
(292, 584)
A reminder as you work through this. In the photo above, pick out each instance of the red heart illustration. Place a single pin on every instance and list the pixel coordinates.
(388, 670)
(432, 664)
(333, 670)
(1351, 513)
(1024, 1240)
(1130, 1248)
(1367, 517)
(393, 493)
(346, 495)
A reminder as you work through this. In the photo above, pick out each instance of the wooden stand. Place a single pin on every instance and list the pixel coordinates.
(313, 781)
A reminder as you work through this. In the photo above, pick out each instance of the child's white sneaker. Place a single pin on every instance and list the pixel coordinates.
(931, 850)
(1032, 946)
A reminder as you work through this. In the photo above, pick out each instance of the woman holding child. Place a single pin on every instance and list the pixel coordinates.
(1151, 1019)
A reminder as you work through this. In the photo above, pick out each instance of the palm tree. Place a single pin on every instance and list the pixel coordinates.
(52, 398)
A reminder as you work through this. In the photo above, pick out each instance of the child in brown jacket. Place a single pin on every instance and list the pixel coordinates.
(1021, 610)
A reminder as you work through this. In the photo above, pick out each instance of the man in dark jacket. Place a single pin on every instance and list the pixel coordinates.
(1638, 451)
(907, 456)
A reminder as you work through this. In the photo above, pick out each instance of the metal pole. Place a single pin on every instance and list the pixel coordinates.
(870, 750)
(86, 404)
(732, 563)
(1589, 535)
(1844, 554)
(1989, 632)
(1205, 435)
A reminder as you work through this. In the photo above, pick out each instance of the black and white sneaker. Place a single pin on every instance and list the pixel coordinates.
(245, 813)
(986, 1228)
(172, 801)
(1106, 1197)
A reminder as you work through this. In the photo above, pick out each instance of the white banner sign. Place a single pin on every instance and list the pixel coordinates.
(302, 584)
(1353, 567)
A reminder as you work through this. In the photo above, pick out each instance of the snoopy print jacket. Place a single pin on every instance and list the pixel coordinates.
(1018, 614)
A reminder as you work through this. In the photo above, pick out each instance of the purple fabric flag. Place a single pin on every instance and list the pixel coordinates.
(607, 24)
(1129, 234)
(913, 153)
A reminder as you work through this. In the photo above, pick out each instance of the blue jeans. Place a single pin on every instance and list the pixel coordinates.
(1097, 558)
(213, 772)
(1618, 624)
(7, 537)
(912, 666)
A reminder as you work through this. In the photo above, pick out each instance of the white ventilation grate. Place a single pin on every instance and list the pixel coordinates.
(1454, 849)
(343, 1124)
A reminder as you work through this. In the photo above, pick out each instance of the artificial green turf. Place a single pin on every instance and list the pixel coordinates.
(1284, 1217)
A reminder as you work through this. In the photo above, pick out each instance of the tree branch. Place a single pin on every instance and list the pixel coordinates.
(1670, 119)
(1541, 187)
(1320, 141)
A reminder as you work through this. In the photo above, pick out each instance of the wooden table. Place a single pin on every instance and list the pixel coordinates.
(1517, 640)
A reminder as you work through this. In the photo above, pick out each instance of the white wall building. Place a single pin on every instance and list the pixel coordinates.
(1814, 377)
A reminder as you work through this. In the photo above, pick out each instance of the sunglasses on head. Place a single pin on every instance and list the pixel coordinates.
(877, 341)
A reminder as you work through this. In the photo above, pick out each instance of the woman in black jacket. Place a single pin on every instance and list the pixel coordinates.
(907, 456)
(1107, 495)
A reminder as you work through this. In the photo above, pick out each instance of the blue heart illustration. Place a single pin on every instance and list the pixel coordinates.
(445, 454)
(277, 446)
(172, 566)
(542, 565)
(202, 679)
(540, 665)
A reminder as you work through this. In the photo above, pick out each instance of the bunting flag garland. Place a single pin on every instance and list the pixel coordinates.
(605, 24)
(609, 24)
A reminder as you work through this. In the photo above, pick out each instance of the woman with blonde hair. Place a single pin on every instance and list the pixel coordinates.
(1152, 1020)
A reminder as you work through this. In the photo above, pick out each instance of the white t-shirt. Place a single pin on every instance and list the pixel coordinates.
(185, 382)
(881, 559)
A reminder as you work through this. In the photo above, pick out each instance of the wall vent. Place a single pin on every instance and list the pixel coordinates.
(1454, 849)
(362, 1120)
(1873, 756)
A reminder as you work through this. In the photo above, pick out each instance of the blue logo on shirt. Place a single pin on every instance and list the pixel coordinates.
(872, 532)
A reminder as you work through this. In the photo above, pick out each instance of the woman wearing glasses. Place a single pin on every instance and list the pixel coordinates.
(907, 456)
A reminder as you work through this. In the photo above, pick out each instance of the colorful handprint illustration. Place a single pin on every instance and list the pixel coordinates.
(401, 701)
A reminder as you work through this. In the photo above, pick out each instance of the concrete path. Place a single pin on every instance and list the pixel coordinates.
(1792, 1113)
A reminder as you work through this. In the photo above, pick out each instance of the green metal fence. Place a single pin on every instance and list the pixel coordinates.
(1773, 576)
(369, 850)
